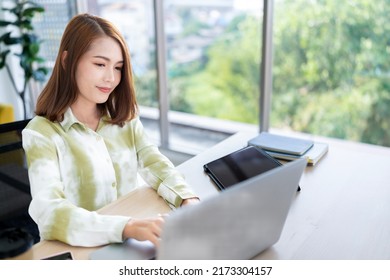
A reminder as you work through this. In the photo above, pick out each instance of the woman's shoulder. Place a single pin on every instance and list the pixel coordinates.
(43, 126)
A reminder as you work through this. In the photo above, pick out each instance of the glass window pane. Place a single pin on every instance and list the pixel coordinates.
(135, 20)
(213, 64)
(214, 57)
(331, 69)
(49, 26)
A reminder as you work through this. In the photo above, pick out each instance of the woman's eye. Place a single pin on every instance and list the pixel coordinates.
(99, 64)
(118, 68)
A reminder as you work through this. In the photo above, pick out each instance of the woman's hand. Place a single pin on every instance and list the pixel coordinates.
(190, 201)
(149, 228)
(144, 229)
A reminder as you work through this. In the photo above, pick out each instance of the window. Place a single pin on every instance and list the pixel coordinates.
(213, 58)
(213, 64)
(331, 69)
(330, 66)
(135, 21)
(213, 67)
(51, 24)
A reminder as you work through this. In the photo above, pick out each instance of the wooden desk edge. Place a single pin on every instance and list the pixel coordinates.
(129, 205)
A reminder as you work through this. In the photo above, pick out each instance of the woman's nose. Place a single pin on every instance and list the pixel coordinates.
(109, 75)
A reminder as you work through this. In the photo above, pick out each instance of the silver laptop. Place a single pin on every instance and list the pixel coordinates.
(238, 223)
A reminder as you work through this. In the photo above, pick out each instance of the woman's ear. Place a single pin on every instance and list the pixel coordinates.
(63, 58)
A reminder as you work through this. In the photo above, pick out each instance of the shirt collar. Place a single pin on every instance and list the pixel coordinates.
(69, 120)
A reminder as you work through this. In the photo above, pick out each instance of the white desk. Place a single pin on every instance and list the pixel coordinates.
(342, 212)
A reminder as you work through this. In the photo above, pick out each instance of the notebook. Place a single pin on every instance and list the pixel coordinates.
(238, 223)
(281, 144)
(313, 155)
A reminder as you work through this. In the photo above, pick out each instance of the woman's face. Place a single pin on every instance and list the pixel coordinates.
(99, 71)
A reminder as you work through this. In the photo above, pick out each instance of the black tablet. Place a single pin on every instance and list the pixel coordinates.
(239, 166)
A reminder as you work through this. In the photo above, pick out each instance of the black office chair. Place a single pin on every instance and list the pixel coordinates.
(15, 196)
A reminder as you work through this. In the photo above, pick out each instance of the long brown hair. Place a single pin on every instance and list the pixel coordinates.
(61, 89)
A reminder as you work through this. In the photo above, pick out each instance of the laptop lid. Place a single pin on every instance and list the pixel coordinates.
(238, 223)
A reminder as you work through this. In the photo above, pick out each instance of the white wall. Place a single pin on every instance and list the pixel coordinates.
(9, 96)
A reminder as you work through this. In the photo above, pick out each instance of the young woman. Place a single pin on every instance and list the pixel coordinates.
(86, 145)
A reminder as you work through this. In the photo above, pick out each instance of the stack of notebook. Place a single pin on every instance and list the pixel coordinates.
(290, 148)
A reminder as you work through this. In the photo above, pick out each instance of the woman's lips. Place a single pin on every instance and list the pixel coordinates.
(104, 89)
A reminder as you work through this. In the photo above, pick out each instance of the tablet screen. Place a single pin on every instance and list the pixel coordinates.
(239, 166)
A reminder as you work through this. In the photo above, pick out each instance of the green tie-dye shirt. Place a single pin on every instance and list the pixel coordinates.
(74, 171)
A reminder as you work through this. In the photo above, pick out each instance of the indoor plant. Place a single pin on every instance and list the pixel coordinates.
(18, 38)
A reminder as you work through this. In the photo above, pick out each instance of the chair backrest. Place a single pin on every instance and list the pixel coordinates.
(12, 160)
(15, 194)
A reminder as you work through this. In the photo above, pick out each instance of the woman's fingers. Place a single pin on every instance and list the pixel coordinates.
(145, 229)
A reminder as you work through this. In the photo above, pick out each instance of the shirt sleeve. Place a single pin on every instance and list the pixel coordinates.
(56, 216)
(158, 171)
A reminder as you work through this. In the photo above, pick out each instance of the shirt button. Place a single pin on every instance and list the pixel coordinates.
(98, 138)
(114, 185)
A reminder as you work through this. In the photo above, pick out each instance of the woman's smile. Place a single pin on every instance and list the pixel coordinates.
(104, 89)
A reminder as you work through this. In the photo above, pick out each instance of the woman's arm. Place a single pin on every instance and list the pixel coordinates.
(158, 171)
